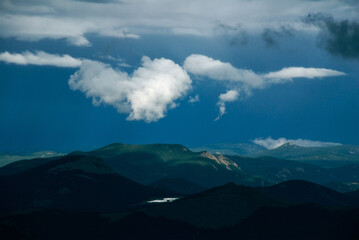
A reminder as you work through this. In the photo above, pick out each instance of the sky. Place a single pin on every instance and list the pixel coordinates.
(77, 75)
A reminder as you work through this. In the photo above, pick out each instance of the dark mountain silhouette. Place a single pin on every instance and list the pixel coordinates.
(308, 221)
(80, 183)
(23, 165)
(178, 185)
(298, 191)
(220, 206)
(294, 223)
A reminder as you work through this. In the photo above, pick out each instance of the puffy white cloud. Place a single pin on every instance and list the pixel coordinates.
(229, 96)
(271, 143)
(244, 80)
(40, 58)
(72, 20)
(146, 94)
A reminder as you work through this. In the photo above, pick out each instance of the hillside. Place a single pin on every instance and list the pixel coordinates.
(242, 149)
(78, 183)
(149, 163)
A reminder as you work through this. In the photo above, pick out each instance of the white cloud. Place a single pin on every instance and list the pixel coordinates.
(40, 58)
(229, 96)
(72, 20)
(271, 143)
(194, 99)
(301, 72)
(205, 66)
(244, 80)
(146, 94)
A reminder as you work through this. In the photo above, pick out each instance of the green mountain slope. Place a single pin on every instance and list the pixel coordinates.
(148, 163)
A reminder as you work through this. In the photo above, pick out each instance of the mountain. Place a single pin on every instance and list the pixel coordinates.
(307, 221)
(23, 165)
(79, 183)
(229, 204)
(10, 158)
(83, 195)
(148, 163)
(330, 156)
(178, 185)
(242, 149)
(219, 206)
(275, 170)
(298, 192)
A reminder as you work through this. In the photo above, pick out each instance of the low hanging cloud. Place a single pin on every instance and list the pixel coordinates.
(244, 80)
(147, 94)
(270, 143)
(229, 96)
(40, 58)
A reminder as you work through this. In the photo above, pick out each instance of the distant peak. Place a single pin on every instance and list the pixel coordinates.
(288, 144)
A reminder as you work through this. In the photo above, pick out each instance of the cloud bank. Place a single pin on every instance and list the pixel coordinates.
(33, 20)
(270, 143)
(245, 81)
(147, 94)
(40, 58)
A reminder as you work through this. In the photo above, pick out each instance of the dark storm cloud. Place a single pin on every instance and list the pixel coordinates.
(340, 38)
(271, 36)
(235, 35)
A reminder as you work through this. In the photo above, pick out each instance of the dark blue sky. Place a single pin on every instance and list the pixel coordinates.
(39, 111)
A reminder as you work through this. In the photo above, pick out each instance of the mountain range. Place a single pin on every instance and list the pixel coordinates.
(163, 191)
(326, 156)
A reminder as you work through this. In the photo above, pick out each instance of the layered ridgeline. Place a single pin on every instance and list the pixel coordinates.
(149, 163)
(326, 156)
(178, 169)
(9, 158)
(330, 156)
(82, 195)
